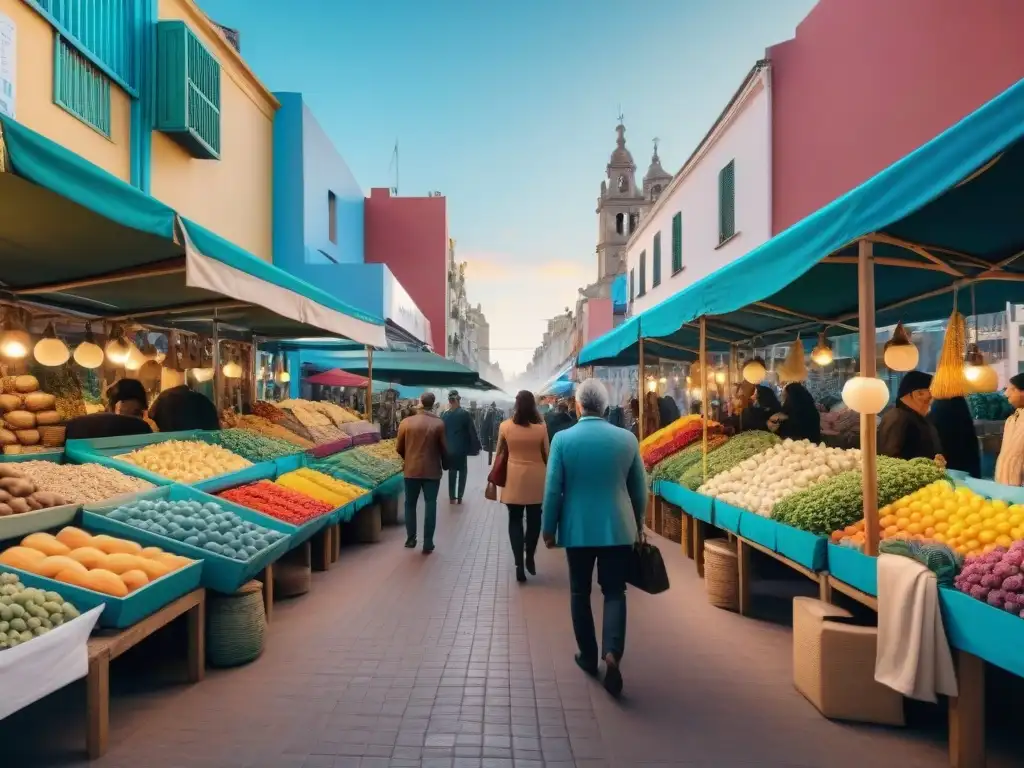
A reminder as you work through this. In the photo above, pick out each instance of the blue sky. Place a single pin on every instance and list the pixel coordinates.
(508, 108)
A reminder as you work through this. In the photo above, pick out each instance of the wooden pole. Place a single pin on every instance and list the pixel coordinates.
(369, 383)
(704, 398)
(218, 375)
(641, 385)
(868, 421)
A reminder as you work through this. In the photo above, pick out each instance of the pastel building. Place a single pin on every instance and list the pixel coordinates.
(324, 228)
(153, 92)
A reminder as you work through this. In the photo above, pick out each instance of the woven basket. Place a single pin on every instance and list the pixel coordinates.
(722, 574)
(236, 626)
(52, 437)
(389, 510)
(671, 522)
(291, 579)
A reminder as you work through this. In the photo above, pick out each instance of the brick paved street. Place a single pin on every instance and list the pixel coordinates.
(396, 659)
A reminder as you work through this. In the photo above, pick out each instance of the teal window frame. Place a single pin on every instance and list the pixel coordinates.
(727, 202)
(632, 286)
(642, 287)
(656, 261)
(80, 87)
(677, 243)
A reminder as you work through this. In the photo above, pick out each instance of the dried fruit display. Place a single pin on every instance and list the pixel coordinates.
(277, 501)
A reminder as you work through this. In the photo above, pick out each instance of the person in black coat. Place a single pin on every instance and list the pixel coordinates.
(765, 405)
(126, 405)
(957, 437)
(558, 419)
(904, 431)
(798, 419)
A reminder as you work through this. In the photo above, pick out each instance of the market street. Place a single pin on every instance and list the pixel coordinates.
(397, 659)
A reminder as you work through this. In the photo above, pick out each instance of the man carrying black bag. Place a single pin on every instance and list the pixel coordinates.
(595, 497)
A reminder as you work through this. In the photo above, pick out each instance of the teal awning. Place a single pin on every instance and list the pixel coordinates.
(620, 346)
(947, 216)
(77, 238)
(408, 368)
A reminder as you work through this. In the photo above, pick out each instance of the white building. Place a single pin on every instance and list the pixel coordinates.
(718, 206)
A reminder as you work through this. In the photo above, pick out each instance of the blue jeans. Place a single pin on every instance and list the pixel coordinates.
(612, 564)
(413, 486)
(456, 477)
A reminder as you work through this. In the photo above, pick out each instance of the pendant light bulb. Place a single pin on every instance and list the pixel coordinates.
(232, 370)
(822, 353)
(866, 394)
(117, 348)
(15, 342)
(202, 374)
(754, 371)
(89, 354)
(980, 376)
(50, 350)
(900, 353)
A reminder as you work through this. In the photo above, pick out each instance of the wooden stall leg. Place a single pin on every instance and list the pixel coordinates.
(824, 587)
(659, 516)
(743, 563)
(322, 551)
(686, 529)
(197, 641)
(335, 542)
(268, 590)
(698, 545)
(98, 706)
(649, 514)
(967, 714)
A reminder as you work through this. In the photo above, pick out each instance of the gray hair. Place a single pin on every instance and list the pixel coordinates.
(592, 396)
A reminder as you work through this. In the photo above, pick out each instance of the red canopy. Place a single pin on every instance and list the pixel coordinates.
(337, 378)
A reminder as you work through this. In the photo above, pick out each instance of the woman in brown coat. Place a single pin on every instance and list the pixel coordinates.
(524, 438)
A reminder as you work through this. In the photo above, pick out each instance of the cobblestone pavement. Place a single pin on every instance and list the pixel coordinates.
(399, 659)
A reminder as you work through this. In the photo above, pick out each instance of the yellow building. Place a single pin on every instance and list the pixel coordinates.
(154, 93)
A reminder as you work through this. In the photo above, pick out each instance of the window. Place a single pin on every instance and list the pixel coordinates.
(620, 224)
(332, 217)
(656, 265)
(80, 87)
(632, 287)
(643, 274)
(677, 243)
(634, 222)
(187, 90)
(727, 202)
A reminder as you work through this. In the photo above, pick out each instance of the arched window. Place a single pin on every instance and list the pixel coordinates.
(620, 224)
(634, 222)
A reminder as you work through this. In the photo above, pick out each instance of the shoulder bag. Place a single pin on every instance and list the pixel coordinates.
(646, 567)
(498, 475)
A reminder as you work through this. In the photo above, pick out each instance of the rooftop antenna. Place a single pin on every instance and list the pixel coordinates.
(394, 164)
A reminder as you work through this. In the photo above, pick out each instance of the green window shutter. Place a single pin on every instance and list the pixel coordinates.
(632, 286)
(643, 274)
(80, 87)
(727, 202)
(188, 90)
(656, 266)
(677, 243)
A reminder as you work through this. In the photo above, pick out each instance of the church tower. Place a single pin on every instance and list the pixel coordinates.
(618, 209)
(656, 179)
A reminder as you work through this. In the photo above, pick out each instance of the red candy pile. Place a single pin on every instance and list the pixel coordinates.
(282, 503)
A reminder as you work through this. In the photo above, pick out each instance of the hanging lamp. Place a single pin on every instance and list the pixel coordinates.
(822, 353)
(15, 342)
(980, 376)
(900, 353)
(754, 371)
(117, 347)
(865, 394)
(89, 354)
(50, 350)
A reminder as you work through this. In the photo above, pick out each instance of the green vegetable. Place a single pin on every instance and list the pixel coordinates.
(739, 448)
(838, 502)
(675, 466)
(253, 446)
(31, 613)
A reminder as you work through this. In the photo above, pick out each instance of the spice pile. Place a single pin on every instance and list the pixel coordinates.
(319, 426)
(77, 483)
(187, 461)
(267, 428)
(278, 502)
(27, 613)
(384, 450)
(361, 465)
(322, 487)
(251, 446)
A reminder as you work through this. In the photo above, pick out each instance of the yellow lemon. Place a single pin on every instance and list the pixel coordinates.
(973, 519)
(999, 504)
(941, 526)
(1003, 527)
(972, 544)
(987, 536)
(914, 527)
(941, 514)
(939, 537)
(1004, 541)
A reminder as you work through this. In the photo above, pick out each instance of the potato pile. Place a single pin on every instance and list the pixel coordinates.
(25, 408)
(19, 495)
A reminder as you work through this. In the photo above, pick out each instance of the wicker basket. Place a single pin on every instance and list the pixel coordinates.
(722, 574)
(671, 522)
(389, 507)
(236, 626)
(291, 579)
(52, 437)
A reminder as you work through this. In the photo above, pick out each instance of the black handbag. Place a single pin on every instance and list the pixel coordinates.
(646, 569)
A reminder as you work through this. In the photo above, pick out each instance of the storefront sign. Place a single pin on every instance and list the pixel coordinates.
(8, 56)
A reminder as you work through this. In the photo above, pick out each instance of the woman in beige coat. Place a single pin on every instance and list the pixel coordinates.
(524, 438)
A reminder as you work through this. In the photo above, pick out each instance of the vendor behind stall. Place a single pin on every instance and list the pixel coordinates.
(180, 408)
(798, 419)
(762, 406)
(958, 438)
(1010, 464)
(904, 431)
(126, 407)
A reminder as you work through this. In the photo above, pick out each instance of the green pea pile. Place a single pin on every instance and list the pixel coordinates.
(253, 446)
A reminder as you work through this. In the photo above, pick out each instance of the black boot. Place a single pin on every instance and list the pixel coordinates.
(520, 574)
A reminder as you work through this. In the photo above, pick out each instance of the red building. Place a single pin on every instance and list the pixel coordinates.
(410, 236)
(865, 82)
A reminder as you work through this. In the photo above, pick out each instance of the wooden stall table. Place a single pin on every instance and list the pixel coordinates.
(744, 549)
(109, 645)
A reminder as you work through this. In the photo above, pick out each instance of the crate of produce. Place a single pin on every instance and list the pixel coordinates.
(807, 549)
(727, 517)
(92, 569)
(976, 627)
(56, 455)
(346, 513)
(760, 530)
(692, 503)
(853, 567)
(27, 508)
(304, 516)
(201, 514)
(190, 457)
(334, 446)
(343, 495)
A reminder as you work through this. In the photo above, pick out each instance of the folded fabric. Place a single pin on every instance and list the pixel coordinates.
(913, 656)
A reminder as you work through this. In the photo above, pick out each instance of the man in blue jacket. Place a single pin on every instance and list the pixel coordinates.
(463, 441)
(595, 498)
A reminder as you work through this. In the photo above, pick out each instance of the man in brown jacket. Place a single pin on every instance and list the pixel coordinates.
(421, 443)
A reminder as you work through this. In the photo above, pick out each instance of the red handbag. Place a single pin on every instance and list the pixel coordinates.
(498, 476)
